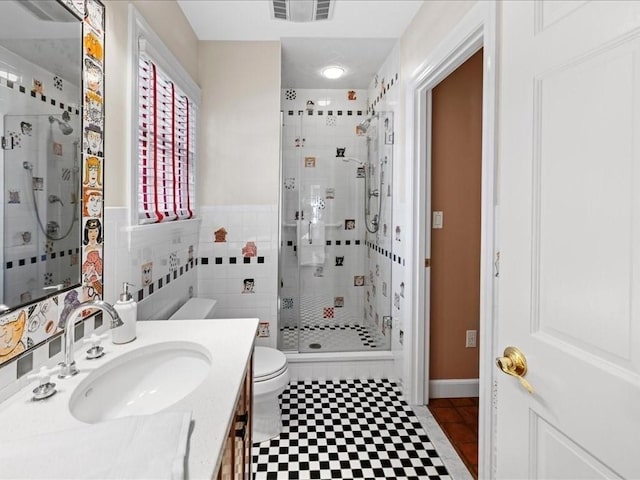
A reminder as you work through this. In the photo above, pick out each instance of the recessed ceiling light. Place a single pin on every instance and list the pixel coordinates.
(324, 103)
(332, 72)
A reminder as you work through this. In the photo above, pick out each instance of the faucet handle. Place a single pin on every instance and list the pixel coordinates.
(46, 388)
(96, 350)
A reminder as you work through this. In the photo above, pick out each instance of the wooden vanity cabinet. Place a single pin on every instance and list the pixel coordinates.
(236, 460)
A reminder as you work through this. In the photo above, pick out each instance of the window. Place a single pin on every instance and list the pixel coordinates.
(166, 147)
(165, 133)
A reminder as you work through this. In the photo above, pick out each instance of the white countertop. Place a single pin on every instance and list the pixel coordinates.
(229, 343)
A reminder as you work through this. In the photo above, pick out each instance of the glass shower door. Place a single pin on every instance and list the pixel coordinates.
(336, 224)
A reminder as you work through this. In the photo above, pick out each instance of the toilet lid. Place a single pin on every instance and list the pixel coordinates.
(268, 363)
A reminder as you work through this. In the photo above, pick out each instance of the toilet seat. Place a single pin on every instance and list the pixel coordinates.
(268, 363)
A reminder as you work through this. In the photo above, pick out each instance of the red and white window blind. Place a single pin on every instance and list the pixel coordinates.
(166, 147)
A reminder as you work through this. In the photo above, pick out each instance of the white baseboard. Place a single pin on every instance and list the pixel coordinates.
(466, 387)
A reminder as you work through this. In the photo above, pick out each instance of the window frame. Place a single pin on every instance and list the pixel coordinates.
(144, 41)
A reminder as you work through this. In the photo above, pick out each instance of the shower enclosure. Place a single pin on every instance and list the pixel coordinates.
(335, 258)
(41, 213)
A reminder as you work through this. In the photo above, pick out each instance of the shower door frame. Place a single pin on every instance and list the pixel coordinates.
(282, 251)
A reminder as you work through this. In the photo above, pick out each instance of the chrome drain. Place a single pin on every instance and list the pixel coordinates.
(315, 346)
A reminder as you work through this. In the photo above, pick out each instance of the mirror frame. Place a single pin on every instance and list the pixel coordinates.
(37, 322)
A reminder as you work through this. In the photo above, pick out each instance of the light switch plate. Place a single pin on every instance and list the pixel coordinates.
(437, 220)
(471, 341)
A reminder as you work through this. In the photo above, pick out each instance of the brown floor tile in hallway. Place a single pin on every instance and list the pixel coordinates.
(458, 418)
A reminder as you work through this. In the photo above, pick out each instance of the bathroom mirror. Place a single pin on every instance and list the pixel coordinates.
(41, 81)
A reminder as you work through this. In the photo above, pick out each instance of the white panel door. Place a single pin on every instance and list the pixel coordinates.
(570, 239)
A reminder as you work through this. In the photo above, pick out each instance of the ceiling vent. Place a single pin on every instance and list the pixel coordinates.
(302, 10)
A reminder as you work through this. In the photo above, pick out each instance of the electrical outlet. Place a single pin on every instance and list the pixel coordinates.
(263, 329)
(471, 338)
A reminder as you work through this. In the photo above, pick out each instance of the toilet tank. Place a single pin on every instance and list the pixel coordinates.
(195, 308)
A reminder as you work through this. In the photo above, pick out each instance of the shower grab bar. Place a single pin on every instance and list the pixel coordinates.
(334, 225)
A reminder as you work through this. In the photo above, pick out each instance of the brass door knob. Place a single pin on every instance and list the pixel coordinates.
(514, 363)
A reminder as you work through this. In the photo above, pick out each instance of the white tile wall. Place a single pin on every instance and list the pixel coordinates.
(224, 281)
(128, 249)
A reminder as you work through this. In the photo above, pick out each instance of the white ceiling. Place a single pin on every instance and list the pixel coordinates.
(359, 37)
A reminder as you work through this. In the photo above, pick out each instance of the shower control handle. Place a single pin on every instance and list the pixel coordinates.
(55, 198)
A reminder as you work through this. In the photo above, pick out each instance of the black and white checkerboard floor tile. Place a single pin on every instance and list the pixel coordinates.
(331, 338)
(345, 430)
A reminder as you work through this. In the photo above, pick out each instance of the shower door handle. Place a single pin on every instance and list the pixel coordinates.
(309, 233)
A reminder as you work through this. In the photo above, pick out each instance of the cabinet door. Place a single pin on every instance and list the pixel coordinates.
(243, 428)
(241, 421)
(226, 466)
(248, 408)
(236, 460)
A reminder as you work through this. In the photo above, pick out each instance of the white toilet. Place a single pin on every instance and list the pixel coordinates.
(270, 375)
(270, 378)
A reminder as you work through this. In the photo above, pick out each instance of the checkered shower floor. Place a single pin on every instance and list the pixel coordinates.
(331, 338)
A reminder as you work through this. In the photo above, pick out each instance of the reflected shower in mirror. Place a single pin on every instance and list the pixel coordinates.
(40, 94)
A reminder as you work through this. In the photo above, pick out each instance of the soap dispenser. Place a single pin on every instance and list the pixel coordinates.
(127, 308)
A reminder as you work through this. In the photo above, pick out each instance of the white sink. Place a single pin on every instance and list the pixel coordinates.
(140, 382)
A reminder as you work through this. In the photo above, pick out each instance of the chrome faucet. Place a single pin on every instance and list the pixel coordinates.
(68, 366)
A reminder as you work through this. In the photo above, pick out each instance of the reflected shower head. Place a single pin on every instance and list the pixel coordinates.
(366, 123)
(65, 128)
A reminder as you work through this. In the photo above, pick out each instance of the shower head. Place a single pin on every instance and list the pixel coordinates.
(27, 165)
(364, 125)
(65, 128)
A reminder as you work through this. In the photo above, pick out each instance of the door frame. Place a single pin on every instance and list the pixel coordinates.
(476, 29)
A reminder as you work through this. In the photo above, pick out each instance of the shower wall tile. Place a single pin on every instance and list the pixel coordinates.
(340, 193)
(387, 97)
(19, 219)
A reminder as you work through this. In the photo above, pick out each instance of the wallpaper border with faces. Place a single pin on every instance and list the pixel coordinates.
(32, 325)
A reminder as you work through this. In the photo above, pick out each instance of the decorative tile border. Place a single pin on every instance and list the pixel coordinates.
(320, 113)
(232, 260)
(25, 324)
(386, 253)
(18, 87)
(329, 243)
(384, 88)
(165, 280)
(93, 43)
(20, 262)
